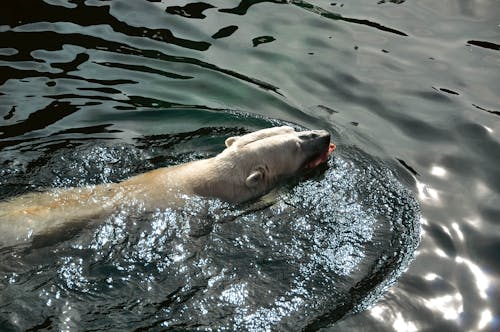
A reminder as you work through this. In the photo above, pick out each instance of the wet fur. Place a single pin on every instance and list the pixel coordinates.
(249, 167)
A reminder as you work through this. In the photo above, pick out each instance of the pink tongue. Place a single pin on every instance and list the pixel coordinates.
(322, 157)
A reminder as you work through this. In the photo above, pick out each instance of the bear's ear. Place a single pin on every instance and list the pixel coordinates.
(255, 178)
(231, 140)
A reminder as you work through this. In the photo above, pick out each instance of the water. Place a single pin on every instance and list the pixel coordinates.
(94, 91)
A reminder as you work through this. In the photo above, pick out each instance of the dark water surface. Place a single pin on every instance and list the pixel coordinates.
(95, 91)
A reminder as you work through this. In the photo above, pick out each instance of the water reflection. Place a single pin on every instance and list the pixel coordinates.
(482, 281)
(302, 260)
(426, 193)
(438, 171)
(417, 80)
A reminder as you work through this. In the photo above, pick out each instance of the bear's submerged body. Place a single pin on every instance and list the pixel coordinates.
(249, 167)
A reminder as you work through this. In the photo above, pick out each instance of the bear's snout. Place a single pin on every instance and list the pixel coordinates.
(315, 141)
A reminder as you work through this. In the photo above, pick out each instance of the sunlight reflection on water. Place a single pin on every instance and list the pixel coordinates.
(418, 80)
(262, 267)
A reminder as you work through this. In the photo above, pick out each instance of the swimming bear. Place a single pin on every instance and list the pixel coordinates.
(249, 167)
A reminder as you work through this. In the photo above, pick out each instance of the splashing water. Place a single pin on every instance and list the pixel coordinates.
(302, 257)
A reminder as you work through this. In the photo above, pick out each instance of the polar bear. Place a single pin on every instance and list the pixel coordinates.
(249, 167)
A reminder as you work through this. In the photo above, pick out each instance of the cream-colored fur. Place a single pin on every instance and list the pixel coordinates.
(249, 167)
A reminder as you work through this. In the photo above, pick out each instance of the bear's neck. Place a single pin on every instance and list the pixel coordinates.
(207, 178)
(211, 178)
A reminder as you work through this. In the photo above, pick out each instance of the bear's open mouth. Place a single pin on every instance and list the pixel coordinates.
(321, 158)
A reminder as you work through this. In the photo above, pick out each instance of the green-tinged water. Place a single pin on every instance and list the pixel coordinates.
(96, 91)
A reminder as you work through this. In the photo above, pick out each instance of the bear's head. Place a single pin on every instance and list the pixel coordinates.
(259, 160)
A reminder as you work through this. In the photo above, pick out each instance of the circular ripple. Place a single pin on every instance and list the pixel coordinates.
(306, 255)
